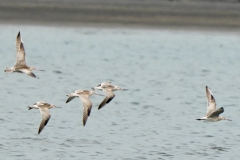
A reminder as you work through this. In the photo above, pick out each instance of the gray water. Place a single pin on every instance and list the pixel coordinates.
(166, 72)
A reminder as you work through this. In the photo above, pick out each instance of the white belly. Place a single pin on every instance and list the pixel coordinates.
(212, 119)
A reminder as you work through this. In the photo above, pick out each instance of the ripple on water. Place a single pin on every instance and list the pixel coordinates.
(220, 148)
(58, 72)
(135, 103)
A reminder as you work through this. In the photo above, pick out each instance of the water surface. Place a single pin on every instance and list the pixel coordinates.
(166, 72)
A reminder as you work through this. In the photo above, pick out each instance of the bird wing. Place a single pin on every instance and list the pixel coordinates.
(211, 103)
(109, 93)
(105, 84)
(69, 99)
(71, 96)
(28, 72)
(216, 113)
(20, 52)
(103, 103)
(109, 96)
(87, 106)
(45, 118)
(18, 41)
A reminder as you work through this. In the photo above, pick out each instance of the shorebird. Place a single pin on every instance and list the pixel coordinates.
(43, 107)
(212, 114)
(20, 65)
(108, 89)
(84, 97)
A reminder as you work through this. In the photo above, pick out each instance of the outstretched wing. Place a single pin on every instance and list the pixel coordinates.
(45, 118)
(102, 86)
(20, 52)
(109, 96)
(211, 103)
(217, 112)
(69, 99)
(71, 96)
(105, 84)
(103, 103)
(87, 106)
(18, 41)
(28, 72)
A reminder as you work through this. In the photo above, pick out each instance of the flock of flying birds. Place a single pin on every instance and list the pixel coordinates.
(43, 106)
(212, 114)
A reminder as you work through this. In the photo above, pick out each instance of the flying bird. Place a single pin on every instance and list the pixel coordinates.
(20, 65)
(212, 114)
(108, 89)
(43, 107)
(84, 97)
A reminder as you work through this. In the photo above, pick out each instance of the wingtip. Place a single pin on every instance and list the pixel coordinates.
(67, 100)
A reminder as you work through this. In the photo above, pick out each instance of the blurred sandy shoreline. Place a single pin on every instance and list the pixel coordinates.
(138, 13)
